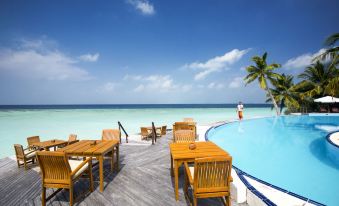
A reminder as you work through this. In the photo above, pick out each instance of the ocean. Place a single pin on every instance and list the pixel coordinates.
(17, 122)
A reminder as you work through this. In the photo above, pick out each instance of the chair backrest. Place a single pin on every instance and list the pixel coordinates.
(184, 125)
(19, 151)
(144, 131)
(184, 136)
(54, 167)
(32, 140)
(212, 174)
(163, 130)
(111, 134)
(188, 119)
(72, 137)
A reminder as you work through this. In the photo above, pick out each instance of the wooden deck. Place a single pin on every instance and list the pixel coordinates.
(144, 179)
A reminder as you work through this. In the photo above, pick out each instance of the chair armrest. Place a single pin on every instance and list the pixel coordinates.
(231, 179)
(81, 165)
(188, 172)
(30, 152)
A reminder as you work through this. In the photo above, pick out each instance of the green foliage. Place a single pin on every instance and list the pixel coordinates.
(263, 72)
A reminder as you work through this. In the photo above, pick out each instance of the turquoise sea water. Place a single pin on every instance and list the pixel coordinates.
(88, 122)
(290, 152)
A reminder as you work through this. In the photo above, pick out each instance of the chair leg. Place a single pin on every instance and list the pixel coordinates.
(71, 195)
(112, 161)
(43, 196)
(185, 183)
(195, 200)
(90, 177)
(18, 163)
(25, 165)
(228, 200)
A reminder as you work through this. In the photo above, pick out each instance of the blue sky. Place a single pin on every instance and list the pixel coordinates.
(155, 51)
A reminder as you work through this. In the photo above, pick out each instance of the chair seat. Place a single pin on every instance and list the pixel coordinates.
(74, 164)
(28, 156)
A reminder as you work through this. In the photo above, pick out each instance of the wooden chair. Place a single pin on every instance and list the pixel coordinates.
(59, 172)
(144, 133)
(184, 136)
(184, 126)
(31, 141)
(111, 134)
(163, 130)
(188, 120)
(24, 155)
(209, 177)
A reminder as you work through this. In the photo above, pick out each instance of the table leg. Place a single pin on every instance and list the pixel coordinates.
(176, 181)
(112, 161)
(117, 150)
(172, 173)
(101, 173)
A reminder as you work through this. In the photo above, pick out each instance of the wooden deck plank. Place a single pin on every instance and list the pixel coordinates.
(144, 179)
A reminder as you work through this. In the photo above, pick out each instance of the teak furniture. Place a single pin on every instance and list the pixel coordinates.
(111, 134)
(163, 130)
(59, 172)
(209, 177)
(181, 153)
(24, 155)
(49, 143)
(184, 126)
(97, 149)
(184, 136)
(31, 141)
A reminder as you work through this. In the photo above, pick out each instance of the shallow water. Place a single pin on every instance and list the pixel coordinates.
(17, 124)
(289, 152)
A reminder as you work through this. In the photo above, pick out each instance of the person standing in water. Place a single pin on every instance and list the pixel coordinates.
(240, 109)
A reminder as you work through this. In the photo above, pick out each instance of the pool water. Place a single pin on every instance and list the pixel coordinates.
(288, 151)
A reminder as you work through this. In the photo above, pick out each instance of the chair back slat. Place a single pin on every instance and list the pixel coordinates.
(19, 151)
(163, 130)
(72, 137)
(54, 167)
(32, 140)
(212, 174)
(184, 136)
(184, 126)
(111, 134)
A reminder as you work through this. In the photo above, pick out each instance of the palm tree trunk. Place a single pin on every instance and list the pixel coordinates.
(273, 101)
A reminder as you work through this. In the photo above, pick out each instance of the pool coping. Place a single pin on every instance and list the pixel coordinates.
(328, 138)
(265, 199)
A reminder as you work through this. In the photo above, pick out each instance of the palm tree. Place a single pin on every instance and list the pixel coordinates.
(263, 72)
(284, 92)
(319, 80)
(331, 52)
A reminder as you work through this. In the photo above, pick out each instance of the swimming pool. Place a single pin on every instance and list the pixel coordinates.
(288, 151)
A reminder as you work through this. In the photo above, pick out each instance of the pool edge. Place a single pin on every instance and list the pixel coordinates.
(262, 197)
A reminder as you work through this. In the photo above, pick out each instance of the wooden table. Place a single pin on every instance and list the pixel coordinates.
(49, 143)
(86, 148)
(180, 153)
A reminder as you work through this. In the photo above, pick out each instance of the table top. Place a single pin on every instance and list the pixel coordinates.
(87, 148)
(203, 149)
(49, 143)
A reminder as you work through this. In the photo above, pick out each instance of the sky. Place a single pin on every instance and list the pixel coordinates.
(153, 51)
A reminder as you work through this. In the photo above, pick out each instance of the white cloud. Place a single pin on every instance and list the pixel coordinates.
(158, 83)
(109, 86)
(89, 57)
(236, 82)
(132, 77)
(36, 60)
(214, 85)
(144, 6)
(302, 61)
(216, 64)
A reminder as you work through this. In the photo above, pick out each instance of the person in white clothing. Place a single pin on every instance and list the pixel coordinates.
(240, 109)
